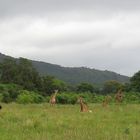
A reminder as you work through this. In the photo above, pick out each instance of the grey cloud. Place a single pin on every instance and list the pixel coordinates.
(101, 34)
(43, 7)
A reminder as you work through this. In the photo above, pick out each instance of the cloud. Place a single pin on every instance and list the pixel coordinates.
(41, 7)
(97, 34)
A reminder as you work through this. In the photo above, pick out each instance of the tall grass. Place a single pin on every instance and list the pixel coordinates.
(65, 122)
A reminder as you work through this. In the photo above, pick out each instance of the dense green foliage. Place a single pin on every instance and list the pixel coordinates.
(112, 87)
(71, 98)
(67, 98)
(50, 83)
(9, 92)
(20, 81)
(16, 93)
(131, 97)
(25, 97)
(85, 87)
(135, 82)
(21, 73)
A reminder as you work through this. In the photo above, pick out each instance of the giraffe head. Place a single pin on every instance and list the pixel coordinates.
(108, 98)
(80, 99)
(120, 91)
(55, 91)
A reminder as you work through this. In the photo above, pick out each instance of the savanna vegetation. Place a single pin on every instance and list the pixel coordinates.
(26, 114)
(20, 82)
(65, 122)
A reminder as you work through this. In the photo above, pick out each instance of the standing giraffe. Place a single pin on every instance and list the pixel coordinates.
(53, 98)
(106, 100)
(119, 96)
(84, 107)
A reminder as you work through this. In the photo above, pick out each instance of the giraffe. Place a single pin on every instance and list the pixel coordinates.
(84, 107)
(53, 98)
(119, 96)
(106, 100)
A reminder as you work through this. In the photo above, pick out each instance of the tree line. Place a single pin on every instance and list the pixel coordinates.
(22, 72)
(20, 75)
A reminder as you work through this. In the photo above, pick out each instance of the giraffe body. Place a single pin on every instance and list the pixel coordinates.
(83, 106)
(53, 98)
(106, 100)
(119, 96)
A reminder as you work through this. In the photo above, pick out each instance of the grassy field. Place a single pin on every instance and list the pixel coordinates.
(65, 122)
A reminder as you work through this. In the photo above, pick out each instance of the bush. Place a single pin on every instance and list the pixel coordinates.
(26, 97)
(85, 87)
(13, 90)
(132, 97)
(87, 96)
(9, 92)
(5, 97)
(71, 98)
(98, 99)
(66, 98)
(1, 97)
(47, 99)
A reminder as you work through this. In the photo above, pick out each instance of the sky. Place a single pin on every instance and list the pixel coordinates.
(100, 34)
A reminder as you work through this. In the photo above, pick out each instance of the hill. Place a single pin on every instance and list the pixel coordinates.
(75, 75)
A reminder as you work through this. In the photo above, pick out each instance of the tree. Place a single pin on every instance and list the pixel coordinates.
(111, 86)
(50, 83)
(135, 81)
(60, 85)
(8, 71)
(29, 78)
(20, 72)
(127, 87)
(85, 87)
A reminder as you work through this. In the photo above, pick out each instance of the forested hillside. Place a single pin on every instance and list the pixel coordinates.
(76, 75)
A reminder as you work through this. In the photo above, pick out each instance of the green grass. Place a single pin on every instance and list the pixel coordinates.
(65, 122)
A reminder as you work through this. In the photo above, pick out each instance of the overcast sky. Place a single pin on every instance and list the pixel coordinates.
(101, 34)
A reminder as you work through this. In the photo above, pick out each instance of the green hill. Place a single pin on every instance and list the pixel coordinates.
(75, 75)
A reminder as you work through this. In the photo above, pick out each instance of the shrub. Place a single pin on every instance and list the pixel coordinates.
(132, 97)
(87, 96)
(13, 90)
(1, 97)
(6, 97)
(47, 99)
(67, 98)
(9, 92)
(98, 99)
(71, 98)
(26, 97)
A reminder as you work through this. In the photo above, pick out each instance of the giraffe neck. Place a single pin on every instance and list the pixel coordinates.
(82, 105)
(54, 95)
